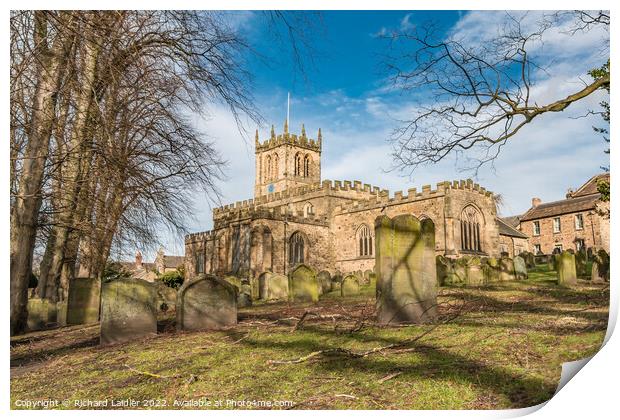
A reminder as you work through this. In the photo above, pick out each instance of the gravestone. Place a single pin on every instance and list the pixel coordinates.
(406, 272)
(61, 313)
(567, 272)
(207, 302)
(244, 298)
(166, 298)
(273, 286)
(491, 270)
(520, 268)
(325, 280)
(368, 276)
(128, 310)
(336, 280)
(600, 267)
(83, 301)
(506, 269)
(303, 284)
(40, 313)
(475, 276)
(445, 271)
(460, 272)
(581, 262)
(350, 286)
(235, 281)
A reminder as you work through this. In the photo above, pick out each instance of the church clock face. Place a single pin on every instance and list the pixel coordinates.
(270, 188)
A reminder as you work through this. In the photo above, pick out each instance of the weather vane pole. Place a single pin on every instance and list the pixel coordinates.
(288, 108)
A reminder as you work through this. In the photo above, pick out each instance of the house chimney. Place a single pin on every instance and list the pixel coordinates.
(536, 202)
(569, 193)
(138, 259)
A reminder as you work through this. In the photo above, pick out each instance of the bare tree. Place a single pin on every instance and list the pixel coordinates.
(482, 92)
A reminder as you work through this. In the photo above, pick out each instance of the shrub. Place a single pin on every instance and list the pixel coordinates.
(172, 279)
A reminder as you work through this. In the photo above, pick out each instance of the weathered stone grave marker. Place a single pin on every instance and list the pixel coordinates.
(128, 310)
(325, 280)
(273, 286)
(303, 284)
(350, 285)
(407, 277)
(520, 267)
(567, 272)
(207, 302)
(83, 301)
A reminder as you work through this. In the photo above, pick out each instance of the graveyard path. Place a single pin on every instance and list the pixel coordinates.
(497, 346)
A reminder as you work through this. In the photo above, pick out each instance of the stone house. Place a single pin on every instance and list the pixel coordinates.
(511, 240)
(149, 271)
(296, 217)
(580, 221)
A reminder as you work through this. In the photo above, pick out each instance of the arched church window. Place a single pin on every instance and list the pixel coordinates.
(306, 166)
(470, 229)
(308, 209)
(268, 169)
(364, 241)
(296, 248)
(274, 175)
(297, 164)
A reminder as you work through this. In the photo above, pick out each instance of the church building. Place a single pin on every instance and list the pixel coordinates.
(296, 217)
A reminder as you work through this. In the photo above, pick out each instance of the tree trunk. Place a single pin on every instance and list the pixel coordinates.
(28, 196)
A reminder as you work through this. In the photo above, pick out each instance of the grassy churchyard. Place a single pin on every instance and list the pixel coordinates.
(497, 346)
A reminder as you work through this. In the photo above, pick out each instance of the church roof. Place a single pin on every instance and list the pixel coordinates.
(507, 230)
(512, 221)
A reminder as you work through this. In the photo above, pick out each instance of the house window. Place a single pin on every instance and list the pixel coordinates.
(296, 249)
(580, 244)
(557, 248)
(578, 221)
(364, 240)
(557, 227)
(537, 249)
(470, 229)
(200, 263)
(536, 228)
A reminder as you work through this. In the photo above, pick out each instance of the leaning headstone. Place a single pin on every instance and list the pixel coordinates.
(475, 276)
(350, 286)
(207, 302)
(506, 269)
(567, 271)
(83, 301)
(273, 286)
(520, 268)
(128, 310)
(406, 272)
(303, 284)
(325, 280)
(40, 313)
(491, 270)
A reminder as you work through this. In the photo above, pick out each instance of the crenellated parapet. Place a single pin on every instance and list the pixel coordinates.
(199, 237)
(301, 140)
(281, 213)
(427, 192)
(325, 187)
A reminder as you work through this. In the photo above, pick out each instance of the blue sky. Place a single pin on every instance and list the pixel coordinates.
(346, 93)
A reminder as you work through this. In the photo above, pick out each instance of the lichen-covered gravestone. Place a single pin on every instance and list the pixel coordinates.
(128, 310)
(566, 270)
(273, 286)
(325, 280)
(83, 301)
(506, 269)
(303, 284)
(244, 298)
(581, 261)
(406, 272)
(207, 302)
(490, 270)
(40, 313)
(445, 271)
(350, 286)
(520, 268)
(475, 276)
(61, 313)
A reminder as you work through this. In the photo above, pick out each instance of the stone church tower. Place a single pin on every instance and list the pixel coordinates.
(286, 161)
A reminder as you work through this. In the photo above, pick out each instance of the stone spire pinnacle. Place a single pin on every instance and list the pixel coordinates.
(320, 137)
(273, 132)
(256, 142)
(286, 126)
(303, 130)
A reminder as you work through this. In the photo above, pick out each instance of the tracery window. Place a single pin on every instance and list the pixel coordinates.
(364, 241)
(470, 229)
(296, 248)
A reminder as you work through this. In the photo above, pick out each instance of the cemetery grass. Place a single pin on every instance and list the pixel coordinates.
(498, 346)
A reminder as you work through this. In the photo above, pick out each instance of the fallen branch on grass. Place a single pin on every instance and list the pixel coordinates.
(149, 374)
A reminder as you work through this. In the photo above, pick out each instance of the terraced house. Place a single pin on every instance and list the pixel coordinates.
(296, 217)
(580, 221)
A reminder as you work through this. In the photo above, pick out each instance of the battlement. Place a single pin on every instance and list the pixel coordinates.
(199, 236)
(383, 199)
(287, 138)
(325, 186)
